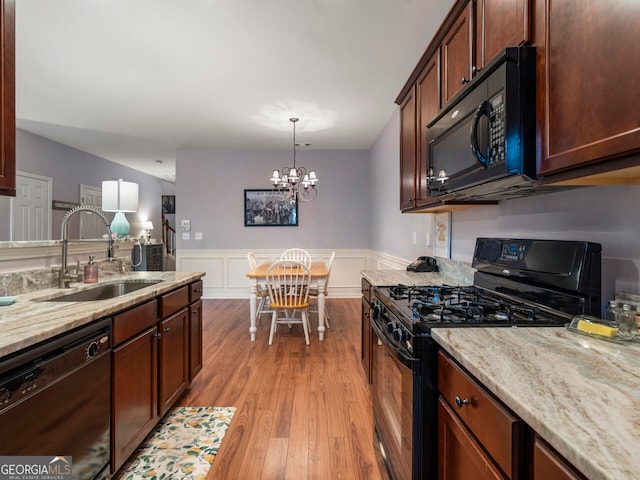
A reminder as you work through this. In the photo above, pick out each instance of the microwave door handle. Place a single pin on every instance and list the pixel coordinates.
(484, 109)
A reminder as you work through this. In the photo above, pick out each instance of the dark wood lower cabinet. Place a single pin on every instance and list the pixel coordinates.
(173, 359)
(195, 339)
(157, 352)
(461, 457)
(366, 333)
(134, 405)
(549, 465)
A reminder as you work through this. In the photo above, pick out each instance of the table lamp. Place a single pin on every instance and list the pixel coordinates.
(119, 196)
(148, 226)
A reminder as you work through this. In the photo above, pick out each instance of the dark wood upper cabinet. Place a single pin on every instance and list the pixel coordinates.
(457, 54)
(588, 103)
(408, 151)
(428, 106)
(500, 24)
(7, 100)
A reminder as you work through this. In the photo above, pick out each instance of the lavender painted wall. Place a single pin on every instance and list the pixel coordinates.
(69, 168)
(606, 214)
(391, 231)
(210, 192)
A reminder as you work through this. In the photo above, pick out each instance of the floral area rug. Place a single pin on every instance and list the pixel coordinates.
(182, 446)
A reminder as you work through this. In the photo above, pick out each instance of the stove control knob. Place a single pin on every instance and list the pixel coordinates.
(390, 327)
(399, 334)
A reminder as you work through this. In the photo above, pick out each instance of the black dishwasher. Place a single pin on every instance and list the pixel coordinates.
(55, 400)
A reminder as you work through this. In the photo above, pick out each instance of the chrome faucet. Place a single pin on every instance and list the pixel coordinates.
(65, 276)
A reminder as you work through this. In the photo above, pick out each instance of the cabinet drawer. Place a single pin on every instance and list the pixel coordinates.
(195, 291)
(459, 454)
(499, 431)
(133, 321)
(173, 301)
(549, 464)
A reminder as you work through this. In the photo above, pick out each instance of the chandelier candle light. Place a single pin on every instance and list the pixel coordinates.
(295, 180)
(119, 196)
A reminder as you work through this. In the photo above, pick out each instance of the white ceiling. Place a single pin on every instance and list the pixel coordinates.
(134, 80)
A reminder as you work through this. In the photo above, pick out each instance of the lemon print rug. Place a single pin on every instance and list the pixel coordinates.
(182, 446)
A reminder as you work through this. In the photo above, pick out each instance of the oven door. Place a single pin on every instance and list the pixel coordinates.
(392, 392)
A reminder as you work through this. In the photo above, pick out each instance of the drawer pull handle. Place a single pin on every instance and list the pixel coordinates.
(461, 402)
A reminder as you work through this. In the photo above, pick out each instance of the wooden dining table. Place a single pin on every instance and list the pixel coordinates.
(258, 275)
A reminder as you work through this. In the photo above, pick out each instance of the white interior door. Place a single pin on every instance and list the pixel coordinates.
(31, 208)
(91, 225)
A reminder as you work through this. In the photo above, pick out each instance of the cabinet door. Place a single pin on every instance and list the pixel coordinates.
(428, 93)
(459, 455)
(173, 371)
(408, 151)
(457, 55)
(547, 464)
(7, 100)
(195, 339)
(500, 24)
(135, 394)
(591, 82)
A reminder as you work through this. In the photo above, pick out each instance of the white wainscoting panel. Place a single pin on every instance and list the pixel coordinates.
(226, 269)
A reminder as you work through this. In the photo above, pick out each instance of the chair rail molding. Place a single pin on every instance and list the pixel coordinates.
(226, 269)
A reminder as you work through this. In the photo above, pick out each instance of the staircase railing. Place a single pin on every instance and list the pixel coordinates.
(168, 236)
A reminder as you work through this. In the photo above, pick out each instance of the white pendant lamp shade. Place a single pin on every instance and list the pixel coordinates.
(119, 196)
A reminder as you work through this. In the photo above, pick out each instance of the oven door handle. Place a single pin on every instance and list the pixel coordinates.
(406, 360)
(484, 109)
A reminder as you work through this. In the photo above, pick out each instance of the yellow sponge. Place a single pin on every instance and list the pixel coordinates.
(597, 328)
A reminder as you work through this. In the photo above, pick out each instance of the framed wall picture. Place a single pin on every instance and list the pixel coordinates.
(442, 235)
(264, 208)
(168, 204)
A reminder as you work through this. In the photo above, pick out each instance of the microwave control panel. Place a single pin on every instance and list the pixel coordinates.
(496, 131)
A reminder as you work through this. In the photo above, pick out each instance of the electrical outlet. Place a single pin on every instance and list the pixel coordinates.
(198, 235)
(414, 238)
(186, 235)
(428, 239)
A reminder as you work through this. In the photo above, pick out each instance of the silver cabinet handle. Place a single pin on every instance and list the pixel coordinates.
(461, 402)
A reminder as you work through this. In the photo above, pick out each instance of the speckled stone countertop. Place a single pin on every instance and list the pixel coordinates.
(581, 395)
(451, 273)
(30, 320)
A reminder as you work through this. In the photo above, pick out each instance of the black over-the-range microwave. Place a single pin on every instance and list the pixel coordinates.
(482, 145)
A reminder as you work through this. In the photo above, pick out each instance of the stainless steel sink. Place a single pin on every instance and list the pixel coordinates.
(103, 292)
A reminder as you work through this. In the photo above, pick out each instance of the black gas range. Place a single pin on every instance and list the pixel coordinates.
(518, 283)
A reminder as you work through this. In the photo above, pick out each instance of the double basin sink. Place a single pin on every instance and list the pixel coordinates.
(103, 291)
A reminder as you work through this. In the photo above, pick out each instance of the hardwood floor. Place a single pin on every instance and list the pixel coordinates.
(303, 412)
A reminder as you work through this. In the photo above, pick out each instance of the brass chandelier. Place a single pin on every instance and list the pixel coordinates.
(295, 181)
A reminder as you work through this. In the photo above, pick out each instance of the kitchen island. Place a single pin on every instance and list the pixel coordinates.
(581, 395)
(31, 319)
(129, 345)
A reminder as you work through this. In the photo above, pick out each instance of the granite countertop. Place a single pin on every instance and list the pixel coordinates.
(395, 277)
(581, 395)
(30, 320)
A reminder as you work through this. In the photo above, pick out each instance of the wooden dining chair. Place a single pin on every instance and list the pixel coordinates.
(261, 291)
(313, 290)
(298, 255)
(288, 283)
